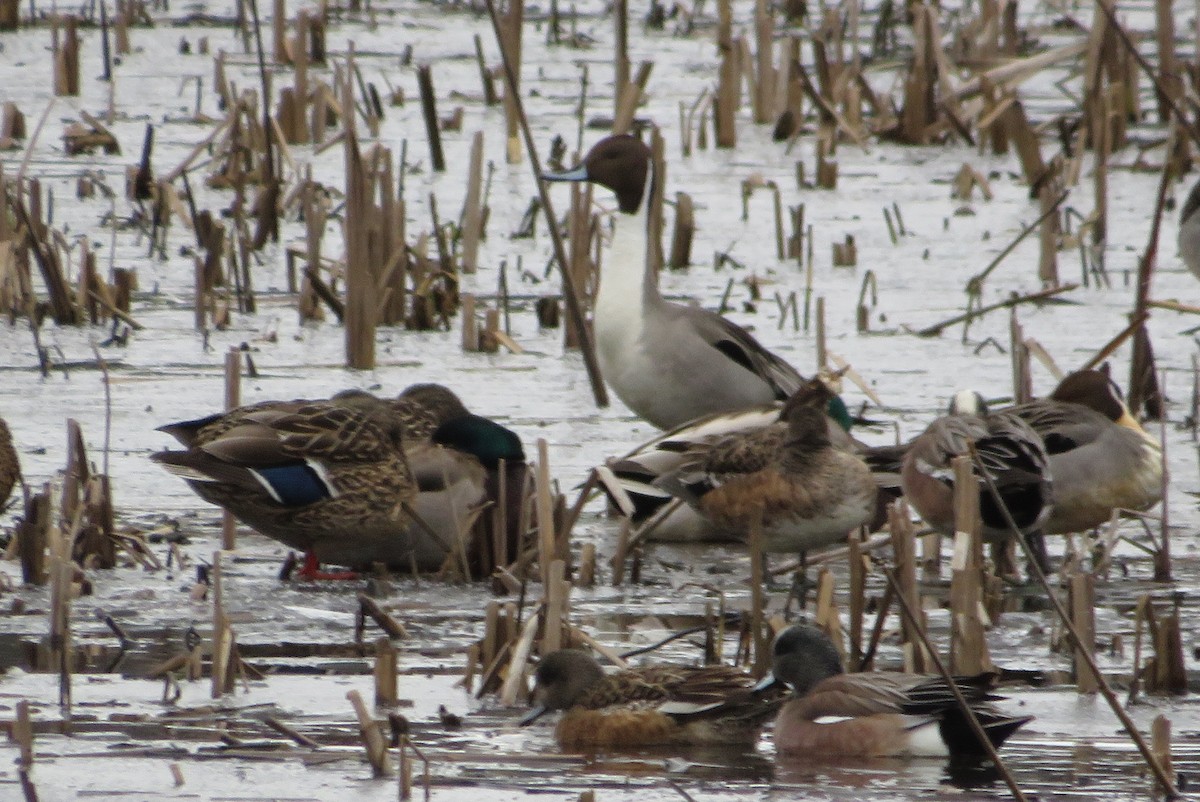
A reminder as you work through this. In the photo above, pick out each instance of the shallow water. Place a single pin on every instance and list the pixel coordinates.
(123, 737)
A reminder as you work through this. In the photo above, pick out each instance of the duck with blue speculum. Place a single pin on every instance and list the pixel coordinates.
(788, 478)
(875, 714)
(648, 706)
(669, 363)
(353, 480)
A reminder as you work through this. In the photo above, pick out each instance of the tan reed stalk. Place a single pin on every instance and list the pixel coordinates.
(968, 642)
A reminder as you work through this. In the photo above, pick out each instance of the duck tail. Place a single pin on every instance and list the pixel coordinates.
(961, 740)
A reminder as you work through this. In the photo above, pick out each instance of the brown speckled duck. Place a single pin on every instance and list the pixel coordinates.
(660, 705)
(352, 480)
(807, 492)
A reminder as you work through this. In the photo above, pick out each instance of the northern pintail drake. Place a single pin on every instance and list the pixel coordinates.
(658, 705)
(351, 481)
(788, 476)
(10, 467)
(669, 363)
(884, 714)
(1007, 447)
(1101, 459)
(639, 471)
(1189, 231)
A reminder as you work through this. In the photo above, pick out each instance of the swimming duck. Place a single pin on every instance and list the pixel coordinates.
(356, 479)
(1010, 450)
(1189, 231)
(806, 492)
(10, 468)
(883, 714)
(669, 363)
(660, 705)
(1100, 457)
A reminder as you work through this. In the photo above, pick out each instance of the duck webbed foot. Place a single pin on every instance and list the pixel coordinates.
(311, 570)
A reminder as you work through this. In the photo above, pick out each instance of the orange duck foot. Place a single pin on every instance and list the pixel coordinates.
(311, 570)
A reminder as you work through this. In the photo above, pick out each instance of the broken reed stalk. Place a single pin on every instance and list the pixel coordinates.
(361, 290)
(975, 283)
(560, 254)
(233, 400)
(472, 217)
(903, 539)
(1165, 97)
(429, 110)
(1033, 297)
(1082, 594)
(373, 742)
(762, 643)
(386, 685)
(1143, 387)
(968, 643)
(1115, 342)
(1102, 684)
(547, 551)
(980, 734)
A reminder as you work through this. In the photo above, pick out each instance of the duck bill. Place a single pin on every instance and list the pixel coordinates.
(766, 683)
(578, 174)
(532, 716)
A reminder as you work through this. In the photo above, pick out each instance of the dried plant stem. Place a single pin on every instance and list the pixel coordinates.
(972, 719)
(560, 254)
(1102, 684)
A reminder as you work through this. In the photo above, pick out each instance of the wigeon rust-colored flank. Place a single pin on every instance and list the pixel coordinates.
(841, 715)
(789, 477)
(650, 706)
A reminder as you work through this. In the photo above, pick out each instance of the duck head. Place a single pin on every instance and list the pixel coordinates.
(562, 678)
(621, 163)
(1094, 389)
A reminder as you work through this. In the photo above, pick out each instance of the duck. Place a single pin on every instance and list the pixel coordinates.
(1008, 447)
(10, 466)
(789, 477)
(464, 462)
(648, 706)
(669, 363)
(1101, 459)
(875, 714)
(638, 470)
(1189, 231)
(355, 479)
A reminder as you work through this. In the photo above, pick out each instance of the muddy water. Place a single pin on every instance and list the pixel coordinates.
(124, 737)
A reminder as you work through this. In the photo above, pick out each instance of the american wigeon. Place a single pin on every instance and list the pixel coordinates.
(659, 705)
(669, 363)
(351, 481)
(639, 470)
(843, 715)
(806, 492)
